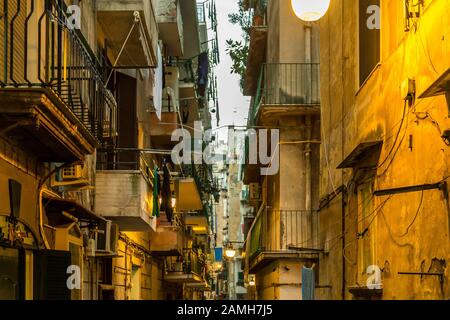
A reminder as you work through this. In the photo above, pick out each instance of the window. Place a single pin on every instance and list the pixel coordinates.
(366, 226)
(369, 37)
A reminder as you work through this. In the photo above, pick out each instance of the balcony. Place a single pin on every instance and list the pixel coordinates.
(189, 268)
(191, 32)
(168, 240)
(189, 100)
(286, 89)
(258, 44)
(283, 235)
(198, 222)
(124, 189)
(256, 57)
(53, 101)
(161, 130)
(170, 24)
(117, 19)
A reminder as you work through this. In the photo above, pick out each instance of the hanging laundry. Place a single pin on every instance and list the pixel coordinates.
(166, 194)
(308, 283)
(203, 73)
(158, 85)
(156, 193)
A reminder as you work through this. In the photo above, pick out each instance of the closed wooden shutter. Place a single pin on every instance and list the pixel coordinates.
(50, 274)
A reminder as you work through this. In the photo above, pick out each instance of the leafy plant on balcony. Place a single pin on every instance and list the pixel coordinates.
(238, 52)
(238, 49)
(246, 18)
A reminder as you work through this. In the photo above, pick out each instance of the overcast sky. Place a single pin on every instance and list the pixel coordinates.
(233, 105)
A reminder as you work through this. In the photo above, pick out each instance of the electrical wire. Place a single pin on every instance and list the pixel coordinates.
(396, 151)
(426, 50)
(377, 211)
(415, 217)
(339, 236)
(396, 137)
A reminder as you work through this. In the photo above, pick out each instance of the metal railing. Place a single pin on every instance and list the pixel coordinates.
(285, 231)
(38, 50)
(189, 263)
(125, 159)
(284, 84)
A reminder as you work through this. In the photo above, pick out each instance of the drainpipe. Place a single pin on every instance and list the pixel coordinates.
(308, 127)
(307, 42)
(344, 193)
(308, 174)
(343, 207)
(126, 272)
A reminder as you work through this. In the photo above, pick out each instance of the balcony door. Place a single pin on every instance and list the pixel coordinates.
(126, 88)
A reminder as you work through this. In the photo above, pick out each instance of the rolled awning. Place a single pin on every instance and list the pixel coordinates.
(54, 206)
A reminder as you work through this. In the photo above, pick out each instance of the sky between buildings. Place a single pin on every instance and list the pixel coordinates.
(233, 105)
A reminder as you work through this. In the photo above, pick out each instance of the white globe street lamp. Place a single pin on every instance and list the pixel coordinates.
(310, 10)
(230, 253)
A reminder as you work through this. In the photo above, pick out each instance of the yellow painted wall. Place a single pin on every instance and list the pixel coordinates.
(152, 286)
(352, 115)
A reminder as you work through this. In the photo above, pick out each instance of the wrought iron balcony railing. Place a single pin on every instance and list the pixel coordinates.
(123, 159)
(40, 50)
(189, 263)
(284, 232)
(287, 84)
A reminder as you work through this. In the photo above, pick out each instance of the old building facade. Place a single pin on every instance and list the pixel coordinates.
(384, 154)
(92, 205)
(377, 185)
(283, 80)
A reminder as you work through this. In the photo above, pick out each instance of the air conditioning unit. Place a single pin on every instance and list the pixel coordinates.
(107, 238)
(72, 172)
(71, 176)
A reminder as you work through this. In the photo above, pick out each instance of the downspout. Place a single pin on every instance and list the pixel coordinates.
(343, 208)
(308, 127)
(344, 193)
(308, 188)
(126, 272)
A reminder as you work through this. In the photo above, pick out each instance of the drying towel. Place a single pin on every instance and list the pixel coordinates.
(308, 284)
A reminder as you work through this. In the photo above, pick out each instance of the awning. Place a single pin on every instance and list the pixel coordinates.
(54, 206)
(188, 195)
(366, 154)
(439, 87)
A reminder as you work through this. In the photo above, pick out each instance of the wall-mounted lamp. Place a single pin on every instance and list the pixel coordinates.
(310, 10)
(252, 280)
